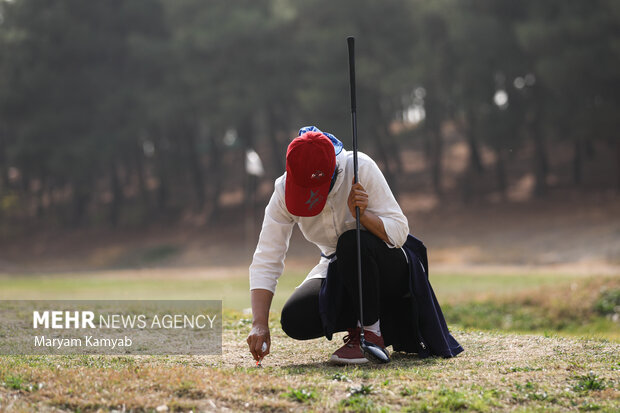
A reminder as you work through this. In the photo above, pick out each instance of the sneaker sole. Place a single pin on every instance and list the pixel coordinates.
(337, 360)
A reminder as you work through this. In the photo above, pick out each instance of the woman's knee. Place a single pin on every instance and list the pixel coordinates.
(300, 315)
(288, 321)
(304, 327)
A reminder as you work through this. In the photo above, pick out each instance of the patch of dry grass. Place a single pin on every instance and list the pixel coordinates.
(587, 306)
(497, 372)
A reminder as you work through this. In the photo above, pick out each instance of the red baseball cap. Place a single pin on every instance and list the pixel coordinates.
(310, 165)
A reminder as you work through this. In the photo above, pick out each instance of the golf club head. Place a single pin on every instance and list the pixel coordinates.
(373, 352)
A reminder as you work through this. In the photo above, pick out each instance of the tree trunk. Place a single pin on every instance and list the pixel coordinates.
(387, 146)
(428, 146)
(433, 141)
(215, 172)
(4, 168)
(48, 193)
(40, 197)
(163, 193)
(589, 148)
(387, 167)
(472, 142)
(117, 195)
(126, 170)
(394, 148)
(278, 150)
(23, 188)
(140, 175)
(24, 180)
(578, 162)
(249, 182)
(436, 164)
(618, 166)
(500, 170)
(467, 189)
(163, 190)
(247, 139)
(540, 162)
(195, 167)
(81, 197)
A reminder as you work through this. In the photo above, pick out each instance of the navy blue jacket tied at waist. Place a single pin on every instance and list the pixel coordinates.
(413, 324)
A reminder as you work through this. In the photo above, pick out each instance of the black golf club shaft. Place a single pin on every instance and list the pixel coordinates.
(371, 351)
(351, 45)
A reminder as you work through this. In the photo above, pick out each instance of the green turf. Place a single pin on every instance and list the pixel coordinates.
(234, 289)
(481, 301)
(451, 286)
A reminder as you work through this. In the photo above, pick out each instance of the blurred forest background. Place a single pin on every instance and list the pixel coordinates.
(120, 114)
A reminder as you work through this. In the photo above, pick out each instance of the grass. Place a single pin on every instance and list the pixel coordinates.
(233, 290)
(589, 382)
(232, 285)
(588, 307)
(358, 403)
(361, 390)
(300, 395)
(532, 301)
(499, 371)
(14, 382)
(448, 400)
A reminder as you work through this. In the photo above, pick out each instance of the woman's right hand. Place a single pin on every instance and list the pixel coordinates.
(259, 335)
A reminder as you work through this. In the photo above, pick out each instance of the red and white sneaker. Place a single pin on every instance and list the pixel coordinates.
(350, 352)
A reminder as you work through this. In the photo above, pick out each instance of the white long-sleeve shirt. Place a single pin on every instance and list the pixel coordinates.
(324, 229)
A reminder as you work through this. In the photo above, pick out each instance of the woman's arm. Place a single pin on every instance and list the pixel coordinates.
(381, 203)
(359, 198)
(266, 268)
(261, 303)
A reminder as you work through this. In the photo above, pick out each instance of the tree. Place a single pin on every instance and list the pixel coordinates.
(384, 54)
(573, 45)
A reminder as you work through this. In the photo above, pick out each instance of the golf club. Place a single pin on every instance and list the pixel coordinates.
(371, 351)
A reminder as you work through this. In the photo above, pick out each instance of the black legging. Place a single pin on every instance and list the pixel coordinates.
(384, 277)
